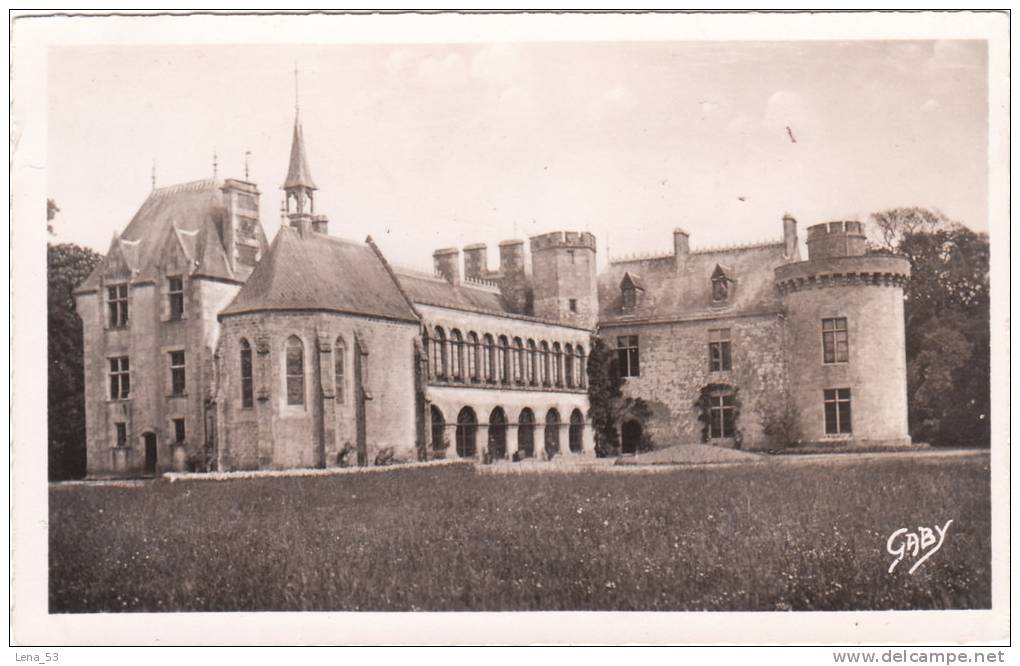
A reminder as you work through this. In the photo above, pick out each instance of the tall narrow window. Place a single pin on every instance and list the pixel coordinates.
(456, 355)
(247, 376)
(837, 411)
(473, 362)
(835, 342)
(518, 361)
(489, 358)
(628, 355)
(573, 305)
(504, 360)
(719, 351)
(117, 301)
(120, 378)
(439, 353)
(545, 364)
(121, 434)
(339, 370)
(177, 378)
(179, 434)
(532, 363)
(295, 371)
(557, 364)
(582, 368)
(721, 416)
(568, 365)
(175, 289)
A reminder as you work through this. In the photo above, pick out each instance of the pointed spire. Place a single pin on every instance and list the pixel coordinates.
(298, 173)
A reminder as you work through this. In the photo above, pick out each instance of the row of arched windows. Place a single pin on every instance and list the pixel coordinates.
(466, 432)
(500, 360)
(294, 371)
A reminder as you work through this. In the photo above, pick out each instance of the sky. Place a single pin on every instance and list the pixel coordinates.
(424, 146)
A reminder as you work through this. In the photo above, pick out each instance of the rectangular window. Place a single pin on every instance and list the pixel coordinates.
(117, 299)
(120, 378)
(835, 343)
(721, 416)
(177, 384)
(837, 411)
(121, 434)
(573, 305)
(176, 291)
(629, 298)
(719, 350)
(628, 356)
(179, 431)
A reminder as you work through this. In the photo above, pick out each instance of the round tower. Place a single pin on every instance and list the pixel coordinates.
(845, 339)
(563, 277)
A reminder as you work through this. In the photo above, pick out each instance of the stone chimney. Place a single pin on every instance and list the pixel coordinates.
(513, 284)
(447, 264)
(320, 224)
(681, 248)
(476, 261)
(790, 236)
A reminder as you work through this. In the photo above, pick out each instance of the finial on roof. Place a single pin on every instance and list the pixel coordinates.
(247, 154)
(297, 96)
(153, 175)
(215, 164)
(298, 173)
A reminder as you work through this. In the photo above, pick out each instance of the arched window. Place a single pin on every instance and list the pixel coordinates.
(488, 359)
(247, 376)
(575, 435)
(438, 429)
(582, 367)
(532, 363)
(545, 363)
(504, 360)
(339, 369)
(467, 430)
(568, 365)
(456, 355)
(497, 434)
(526, 433)
(557, 364)
(518, 361)
(473, 362)
(439, 356)
(552, 432)
(295, 371)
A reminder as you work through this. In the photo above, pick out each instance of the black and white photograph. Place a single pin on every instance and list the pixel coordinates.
(468, 328)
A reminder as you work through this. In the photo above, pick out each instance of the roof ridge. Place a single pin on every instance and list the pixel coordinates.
(190, 186)
(709, 249)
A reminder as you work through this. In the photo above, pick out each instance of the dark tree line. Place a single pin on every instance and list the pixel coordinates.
(67, 265)
(947, 324)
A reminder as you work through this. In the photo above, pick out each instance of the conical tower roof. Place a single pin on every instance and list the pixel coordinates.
(298, 173)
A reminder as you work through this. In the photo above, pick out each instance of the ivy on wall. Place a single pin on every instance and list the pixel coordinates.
(704, 405)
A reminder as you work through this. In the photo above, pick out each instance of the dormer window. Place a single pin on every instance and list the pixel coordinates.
(722, 284)
(630, 289)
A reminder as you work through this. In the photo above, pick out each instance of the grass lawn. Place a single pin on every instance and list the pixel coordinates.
(760, 537)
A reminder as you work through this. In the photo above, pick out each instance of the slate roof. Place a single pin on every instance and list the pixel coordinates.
(436, 291)
(298, 173)
(189, 214)
(669, 295)
(320, 272)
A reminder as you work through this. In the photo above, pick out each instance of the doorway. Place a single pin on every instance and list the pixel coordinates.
(150, 453)
(630, 436)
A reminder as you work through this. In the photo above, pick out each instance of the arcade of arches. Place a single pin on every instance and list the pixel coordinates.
(469, 434)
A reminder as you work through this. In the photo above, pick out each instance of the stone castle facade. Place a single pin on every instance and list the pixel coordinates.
(207, 346)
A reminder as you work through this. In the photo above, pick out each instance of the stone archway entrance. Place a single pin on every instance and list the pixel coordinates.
(552, 433)
(497, 434)
(526, 433)
(438, 429)
(149, 439)
(630, 436)
(467, 428)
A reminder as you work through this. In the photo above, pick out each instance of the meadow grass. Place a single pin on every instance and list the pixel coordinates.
(762, 537)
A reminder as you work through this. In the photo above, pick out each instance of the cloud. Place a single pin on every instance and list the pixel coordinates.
(930, 105)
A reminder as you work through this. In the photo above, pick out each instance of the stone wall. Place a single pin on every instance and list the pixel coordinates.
(674, 360)
(273, 434)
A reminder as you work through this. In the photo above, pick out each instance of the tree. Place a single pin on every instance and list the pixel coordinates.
(67, 265)
(604, 392)
(51, 212)
(946, 308)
